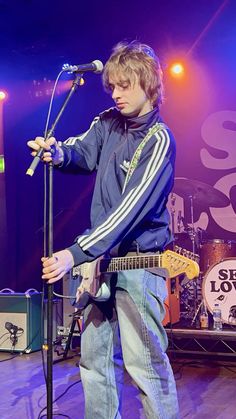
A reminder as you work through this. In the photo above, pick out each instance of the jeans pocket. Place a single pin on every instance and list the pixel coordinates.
(157, 285)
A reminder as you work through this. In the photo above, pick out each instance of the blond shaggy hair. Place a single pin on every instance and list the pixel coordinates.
(134, 58)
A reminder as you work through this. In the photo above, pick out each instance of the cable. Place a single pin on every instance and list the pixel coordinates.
(59, 397)
(57, 414)
(51, 102)
(63, 296)
(30, 343)
(4, 334)
(46, 133)
(12, 357)
(9, 359)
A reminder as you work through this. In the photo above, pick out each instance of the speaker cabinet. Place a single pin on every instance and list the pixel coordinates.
(23, 312)
(172, 302)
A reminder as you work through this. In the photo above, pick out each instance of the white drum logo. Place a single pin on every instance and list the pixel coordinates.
(219, 286)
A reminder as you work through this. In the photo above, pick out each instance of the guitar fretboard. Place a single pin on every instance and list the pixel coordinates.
(130, 262)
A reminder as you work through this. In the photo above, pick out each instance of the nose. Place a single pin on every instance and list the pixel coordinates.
(115, 93)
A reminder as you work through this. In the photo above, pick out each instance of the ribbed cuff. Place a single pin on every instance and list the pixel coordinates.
(78, 254)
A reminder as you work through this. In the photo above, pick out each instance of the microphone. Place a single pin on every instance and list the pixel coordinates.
(12, 328)
(95, 66)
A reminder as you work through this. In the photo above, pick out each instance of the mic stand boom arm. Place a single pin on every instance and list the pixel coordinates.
(37, 158)
(49, 233)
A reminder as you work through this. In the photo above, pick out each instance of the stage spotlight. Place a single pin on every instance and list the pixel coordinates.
(2, 164)
(3, 95)
(177, 70)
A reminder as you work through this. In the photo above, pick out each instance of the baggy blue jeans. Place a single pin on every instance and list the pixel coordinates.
(127, 331)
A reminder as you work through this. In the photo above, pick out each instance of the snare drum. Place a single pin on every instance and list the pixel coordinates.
(219, 286)
(213, 251)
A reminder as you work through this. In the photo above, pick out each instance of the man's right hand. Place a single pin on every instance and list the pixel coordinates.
(52, 150)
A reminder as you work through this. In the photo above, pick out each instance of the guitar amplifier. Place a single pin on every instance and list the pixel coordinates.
(20, 322)
(172, 302)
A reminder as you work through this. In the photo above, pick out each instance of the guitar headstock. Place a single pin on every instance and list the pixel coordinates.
(177, 263)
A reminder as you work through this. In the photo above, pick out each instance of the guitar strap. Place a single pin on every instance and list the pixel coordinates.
(136, 157)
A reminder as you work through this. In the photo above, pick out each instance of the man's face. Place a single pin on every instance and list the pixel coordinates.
(129, 98)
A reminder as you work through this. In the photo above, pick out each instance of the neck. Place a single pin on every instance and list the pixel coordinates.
(130, 262)
(146, 109)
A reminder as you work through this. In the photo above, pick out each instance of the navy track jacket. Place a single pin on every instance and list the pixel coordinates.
(131, 214)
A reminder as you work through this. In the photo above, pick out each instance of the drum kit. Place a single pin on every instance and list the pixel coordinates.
(217, 257)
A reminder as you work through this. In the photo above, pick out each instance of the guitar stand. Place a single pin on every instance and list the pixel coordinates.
(76, 316)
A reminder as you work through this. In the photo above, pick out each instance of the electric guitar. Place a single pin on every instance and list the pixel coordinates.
(94, 285)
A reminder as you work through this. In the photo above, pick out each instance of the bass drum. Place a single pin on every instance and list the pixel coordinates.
(219, 286)
(213, 251)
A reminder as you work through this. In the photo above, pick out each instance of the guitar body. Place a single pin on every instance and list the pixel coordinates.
(93, 284)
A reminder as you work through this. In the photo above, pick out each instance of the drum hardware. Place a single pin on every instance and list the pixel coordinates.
(185, 294)
(192, 235)
(199, 196)
(188, 300)
(205, 195)
(201, 310)
(232, 315)
(189, 229)
(196, 313)
(187, 287)
(181, 222)
(199, 236)
(183, 188)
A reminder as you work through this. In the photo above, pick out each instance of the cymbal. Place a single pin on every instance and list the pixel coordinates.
(200, 192)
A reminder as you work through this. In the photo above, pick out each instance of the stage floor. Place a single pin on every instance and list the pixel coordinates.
(206, 388)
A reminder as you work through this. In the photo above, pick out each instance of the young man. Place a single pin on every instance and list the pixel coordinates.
(133, 152)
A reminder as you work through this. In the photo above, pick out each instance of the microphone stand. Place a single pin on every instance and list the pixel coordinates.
(48, 233)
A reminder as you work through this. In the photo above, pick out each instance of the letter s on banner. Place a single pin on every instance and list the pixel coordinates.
(225, 217)
(218, 136)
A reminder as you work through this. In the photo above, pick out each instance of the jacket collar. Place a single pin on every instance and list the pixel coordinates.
(140, 123)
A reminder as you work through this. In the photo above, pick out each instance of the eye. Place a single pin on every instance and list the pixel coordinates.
(111, 87)
(124, 85)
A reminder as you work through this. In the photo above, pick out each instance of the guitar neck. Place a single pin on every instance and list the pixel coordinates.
(130, 262)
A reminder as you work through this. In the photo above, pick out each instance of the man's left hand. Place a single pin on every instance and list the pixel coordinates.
(55, 267)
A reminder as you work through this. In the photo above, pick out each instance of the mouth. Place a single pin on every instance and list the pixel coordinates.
(120, 105)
